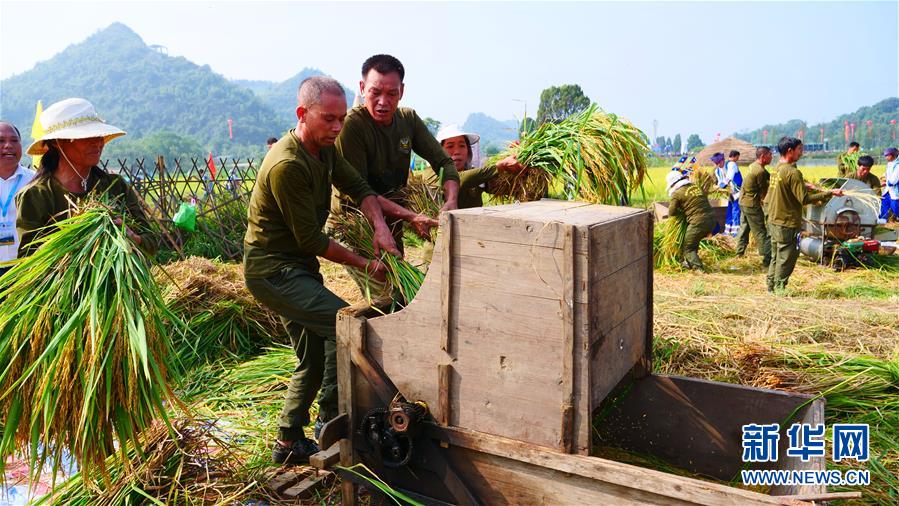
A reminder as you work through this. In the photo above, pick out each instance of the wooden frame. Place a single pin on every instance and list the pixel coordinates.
(529, 318)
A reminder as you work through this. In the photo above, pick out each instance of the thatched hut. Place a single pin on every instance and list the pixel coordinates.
(747, 151)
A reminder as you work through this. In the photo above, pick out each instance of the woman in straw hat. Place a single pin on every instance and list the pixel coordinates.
(462, 147)
(73, 140)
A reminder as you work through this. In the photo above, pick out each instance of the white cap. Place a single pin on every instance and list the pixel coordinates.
(450, 131)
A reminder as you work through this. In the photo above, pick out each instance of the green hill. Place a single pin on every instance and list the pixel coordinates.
(144, 91)
(494, 133)
(879, 114)
(282, 97)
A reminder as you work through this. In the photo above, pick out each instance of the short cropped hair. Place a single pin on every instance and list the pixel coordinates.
(787, 143)
(384, 64)
(865, 161)
(733, 153)
(311, 90)
(854, 144)
(271, 140)
(2, 122)
(761, 151)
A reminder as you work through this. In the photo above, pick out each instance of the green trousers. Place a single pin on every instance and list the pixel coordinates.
(308, 311)
(752, 219)
(784, 253)
(695, 234)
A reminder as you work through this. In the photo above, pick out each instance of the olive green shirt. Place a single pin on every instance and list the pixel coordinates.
(692, 203)
(787, 194)
(755, 185)
(290, 205)
(472, 184)
(870, 180)
(45, 201)
(382, 155)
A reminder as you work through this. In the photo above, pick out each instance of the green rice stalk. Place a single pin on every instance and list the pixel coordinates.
(422, 198)
(593, 156)
(85, 345)
(353, 229)
(363, 472)
(668, 242)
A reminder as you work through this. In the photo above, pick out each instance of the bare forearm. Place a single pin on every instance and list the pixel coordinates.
(338, 254)
(451, 191)
(371, 208)
(393, 210)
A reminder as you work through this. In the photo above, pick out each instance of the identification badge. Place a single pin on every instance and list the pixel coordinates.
(7, 233)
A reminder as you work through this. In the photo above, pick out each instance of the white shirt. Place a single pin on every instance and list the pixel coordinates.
(8, 188)
(892, 175)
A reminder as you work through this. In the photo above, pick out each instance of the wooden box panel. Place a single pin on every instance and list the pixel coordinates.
(535, 311)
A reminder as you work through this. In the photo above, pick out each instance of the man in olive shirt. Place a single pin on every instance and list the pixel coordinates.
(787, 194)
(287, 210)
(690, 203)
(863, 173)
(379, 137)
(843, 166)
(752, 217)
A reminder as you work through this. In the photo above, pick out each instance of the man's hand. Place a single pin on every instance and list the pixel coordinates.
(422, 225)
(377, 270)
(836, 193)
(383, 240)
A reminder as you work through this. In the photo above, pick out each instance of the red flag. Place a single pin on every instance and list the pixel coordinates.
(230, 133)
(765, 136)
(210, 164)
(846, 130)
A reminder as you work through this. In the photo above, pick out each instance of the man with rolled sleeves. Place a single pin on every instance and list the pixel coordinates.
(287, 211)
(752, 214)
(691, 203)
(379, 137)
(787, 194)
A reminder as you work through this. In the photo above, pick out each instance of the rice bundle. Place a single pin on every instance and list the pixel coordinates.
(353, 229)
(593, 156)
(85, 345)
(224, 319)
(667, 242)
(192, 464)
(705, 178)
(422, 198)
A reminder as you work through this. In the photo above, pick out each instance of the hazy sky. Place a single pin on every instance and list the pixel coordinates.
(702, 67)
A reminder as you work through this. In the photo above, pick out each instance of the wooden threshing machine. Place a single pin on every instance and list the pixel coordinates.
(533, 319)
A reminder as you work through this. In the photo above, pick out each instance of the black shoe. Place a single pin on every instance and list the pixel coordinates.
(317, 428)
(297, 453)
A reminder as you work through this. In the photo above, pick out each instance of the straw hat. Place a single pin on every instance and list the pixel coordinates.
(72, 118)
(450, 131)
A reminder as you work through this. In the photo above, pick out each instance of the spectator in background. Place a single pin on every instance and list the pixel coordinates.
(890, 200)
(735, 182)
(271, 142)
(843, 166)
(13, 177)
